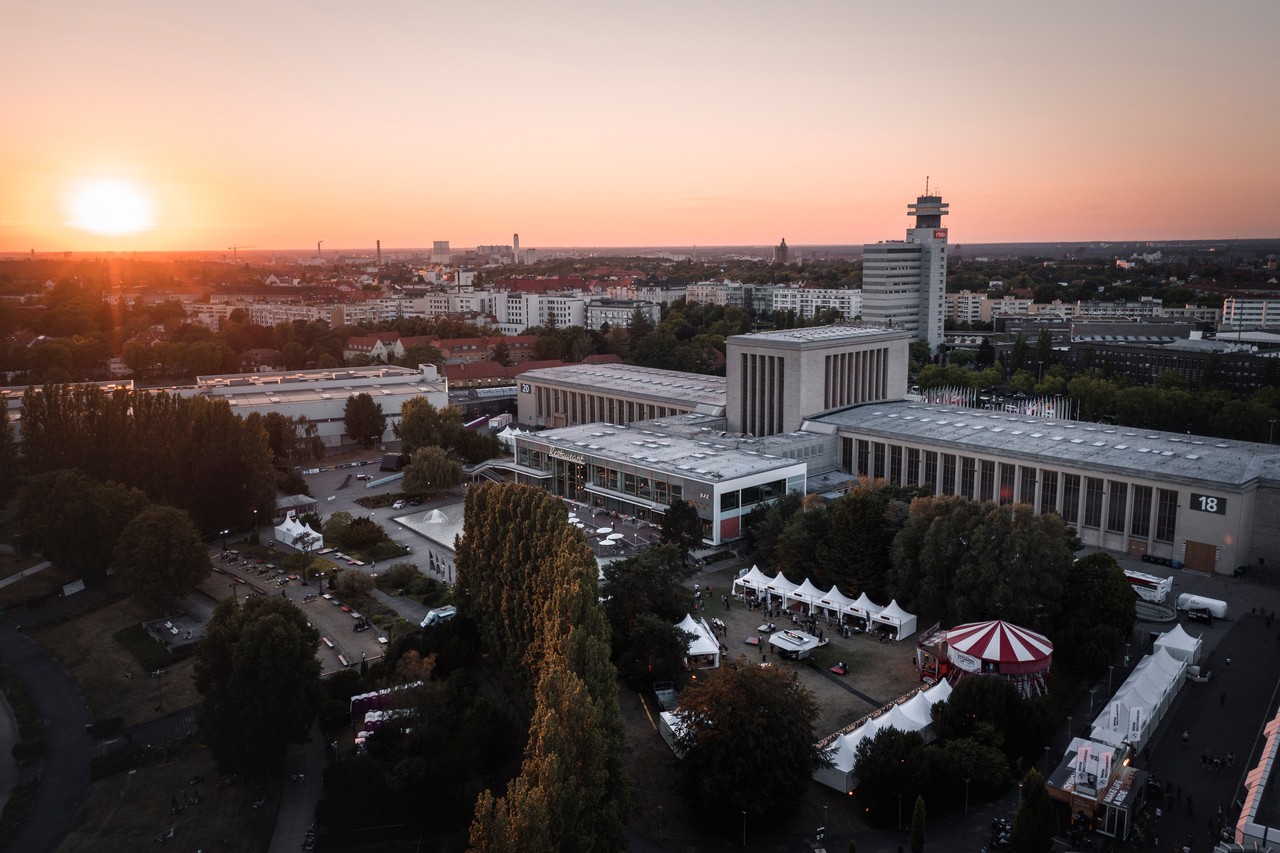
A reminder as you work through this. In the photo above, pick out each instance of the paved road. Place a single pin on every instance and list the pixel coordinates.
(409, 609)
(305, 763)
(9, 772)
(65, 768)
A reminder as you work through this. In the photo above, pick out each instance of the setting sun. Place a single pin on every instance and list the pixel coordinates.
(110, 207)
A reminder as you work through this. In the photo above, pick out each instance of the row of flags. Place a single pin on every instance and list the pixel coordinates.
(1051, 406)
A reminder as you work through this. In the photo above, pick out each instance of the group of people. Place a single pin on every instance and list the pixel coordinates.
(1213, 762)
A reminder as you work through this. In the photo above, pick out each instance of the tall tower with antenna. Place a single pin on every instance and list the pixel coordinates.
(379, 258)
(904, 283)
(515, 248)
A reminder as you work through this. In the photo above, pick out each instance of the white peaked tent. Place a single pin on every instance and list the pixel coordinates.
(904, 716)
(1180, 645)
(704, 648)
(295, 534)
(864, 607)
(508, 436)
(834, 599)
(1141, 702)
(903, 623)
(807, 594)
(754, 580)
(780, 586)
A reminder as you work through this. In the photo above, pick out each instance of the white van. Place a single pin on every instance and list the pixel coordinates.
(439, 614)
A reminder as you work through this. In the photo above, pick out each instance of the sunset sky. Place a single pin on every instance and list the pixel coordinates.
(277, 124)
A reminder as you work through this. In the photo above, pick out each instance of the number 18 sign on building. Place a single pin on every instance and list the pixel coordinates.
(1208, 503)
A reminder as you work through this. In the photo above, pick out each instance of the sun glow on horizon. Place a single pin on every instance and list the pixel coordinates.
(110, 207)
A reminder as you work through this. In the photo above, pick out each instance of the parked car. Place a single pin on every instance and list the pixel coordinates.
(398, 505)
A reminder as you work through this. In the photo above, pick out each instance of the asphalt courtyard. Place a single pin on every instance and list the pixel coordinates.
(1222, 715)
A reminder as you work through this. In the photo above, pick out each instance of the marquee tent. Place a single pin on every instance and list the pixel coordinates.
(807, 594)
(902, 622)
(1180, 645)
(864, 607)
(780, 587)
(704, 648)
(905, 716)
(834, 599)
(1141, 702)
(1000, 648)
(298, 536)
(754, 580)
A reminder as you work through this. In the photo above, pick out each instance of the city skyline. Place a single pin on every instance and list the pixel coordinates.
(713, 124)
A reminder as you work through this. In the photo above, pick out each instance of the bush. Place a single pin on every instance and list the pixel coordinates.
(110, 764)
(25, 750)
(107, 727)
(353, 585)
(401, 575)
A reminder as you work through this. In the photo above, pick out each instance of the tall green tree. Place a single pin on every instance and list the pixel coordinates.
(293, 439)
(1035, 822)
(917, 826)
(682, 527)
(959, 560)
(159, 556)
(1095, 615)
(430, 470)
(363, 420)
(9, 461)
(528, 580)
(748, 740)
(644, 599)
(76, 520)
(257, 670)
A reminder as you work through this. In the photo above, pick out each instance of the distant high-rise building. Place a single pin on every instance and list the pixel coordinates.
(515, 248)
(379, 253)
(904, 282)
(440, 252)
(780, 252)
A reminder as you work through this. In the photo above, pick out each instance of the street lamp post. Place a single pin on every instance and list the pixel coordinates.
(1092, 690)
(744, 827)
(1271, 432)
(1046, 762)
(224, 538)
(966, 795)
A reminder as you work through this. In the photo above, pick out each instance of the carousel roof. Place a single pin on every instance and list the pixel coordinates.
(999, 641)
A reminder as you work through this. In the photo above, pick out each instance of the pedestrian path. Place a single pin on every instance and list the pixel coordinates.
(25, 573)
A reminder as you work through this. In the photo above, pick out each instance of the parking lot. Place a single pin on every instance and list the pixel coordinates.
(347, 637)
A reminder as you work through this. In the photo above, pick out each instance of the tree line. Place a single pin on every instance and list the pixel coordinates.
(193, 453)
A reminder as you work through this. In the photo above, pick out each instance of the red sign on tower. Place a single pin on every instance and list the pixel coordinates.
(940, 234)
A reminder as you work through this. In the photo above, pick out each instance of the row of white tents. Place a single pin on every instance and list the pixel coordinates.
(911, 714)
(830, 603)
(1141, 702)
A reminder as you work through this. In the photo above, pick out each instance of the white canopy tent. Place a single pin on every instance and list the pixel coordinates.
(1181, 645)
(298, 536)
(834, 599)
(754, 580)
(904, 716)
(902, 622)
(807, 594)
(1140, 704)
(864, 608)
(779, 586)
(704, 648)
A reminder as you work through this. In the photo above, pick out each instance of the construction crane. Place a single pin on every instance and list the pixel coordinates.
(319, 254)
(235, 257)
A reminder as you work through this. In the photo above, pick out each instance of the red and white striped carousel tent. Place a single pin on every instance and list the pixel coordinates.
(999, 648)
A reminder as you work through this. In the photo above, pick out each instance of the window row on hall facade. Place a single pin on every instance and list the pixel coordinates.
(636, 483)
(1117, 506)
(578, 407)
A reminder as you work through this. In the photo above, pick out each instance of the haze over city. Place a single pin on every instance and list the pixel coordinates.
(136, 126)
